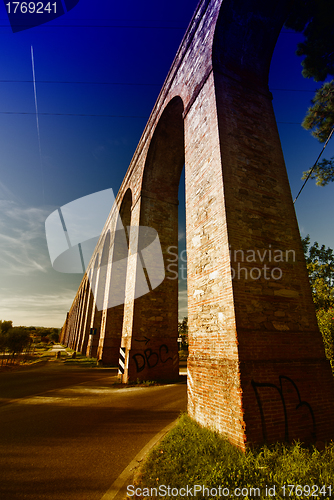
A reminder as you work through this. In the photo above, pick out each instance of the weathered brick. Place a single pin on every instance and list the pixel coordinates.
(256, 368)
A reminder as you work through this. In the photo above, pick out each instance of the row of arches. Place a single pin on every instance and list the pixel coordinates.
(126, 298)
(215, 116)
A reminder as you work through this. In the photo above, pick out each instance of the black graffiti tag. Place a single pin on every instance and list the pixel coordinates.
(279, 389)
(151, 358)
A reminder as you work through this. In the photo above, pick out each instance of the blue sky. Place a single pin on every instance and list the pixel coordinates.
(111, 59)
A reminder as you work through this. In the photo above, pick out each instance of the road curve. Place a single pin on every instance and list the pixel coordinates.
(73, 441)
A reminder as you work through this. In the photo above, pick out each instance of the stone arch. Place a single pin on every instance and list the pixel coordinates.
(165, 157)
(113, 313)
(86, 314)
(125, 209)
(246, 335)
(153, 326)
(239, 326)
(85, 296)
(101, 279)
(76, 332)
(92, 305)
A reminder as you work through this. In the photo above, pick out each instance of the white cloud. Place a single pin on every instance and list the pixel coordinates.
(6, 193)
(183, 304)
(181, 235)
(47, 310)
(22, 239)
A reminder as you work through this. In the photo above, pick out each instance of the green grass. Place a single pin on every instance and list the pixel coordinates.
(191, 455)
(81, 360)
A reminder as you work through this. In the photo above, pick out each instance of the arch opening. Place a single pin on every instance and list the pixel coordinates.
(154, 349)
(113, 314)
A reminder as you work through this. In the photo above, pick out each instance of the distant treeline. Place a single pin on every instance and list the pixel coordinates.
(17, 339)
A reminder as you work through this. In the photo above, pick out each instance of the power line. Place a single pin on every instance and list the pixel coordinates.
(97, 115)
(126, 83)
(48, 25)
(291, 90)
(84, 83)
(69, 114)
(310, 172)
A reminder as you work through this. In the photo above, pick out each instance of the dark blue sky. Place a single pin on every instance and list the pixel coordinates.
(106, 58)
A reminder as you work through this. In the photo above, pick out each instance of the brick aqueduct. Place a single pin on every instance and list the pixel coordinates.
(256, 368)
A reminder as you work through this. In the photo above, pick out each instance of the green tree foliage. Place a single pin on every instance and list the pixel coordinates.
(183, 332)
(17, 339)
(320, 266)
(14, 340)
(5, 326)
(326, 326)
(323, 172)
(320, 116)
(54, 336)
(315, 19)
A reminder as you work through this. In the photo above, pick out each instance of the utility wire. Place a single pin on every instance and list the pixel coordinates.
(95, 26)
(83, 83)
(291, 90)
(69, 114)
(97, 115)
(310, 172)
(128, 84)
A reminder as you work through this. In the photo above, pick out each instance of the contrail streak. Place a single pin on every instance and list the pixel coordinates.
(37, 122)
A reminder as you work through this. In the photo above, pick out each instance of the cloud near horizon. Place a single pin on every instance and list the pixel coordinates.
(37, 309)
(31, 292)
(23, 248)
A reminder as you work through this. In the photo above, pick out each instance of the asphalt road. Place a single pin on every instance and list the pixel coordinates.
(67, 433)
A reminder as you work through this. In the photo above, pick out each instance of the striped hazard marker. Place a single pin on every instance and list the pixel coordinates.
(121, 363)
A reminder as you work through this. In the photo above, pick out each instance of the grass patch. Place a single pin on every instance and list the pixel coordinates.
(144, 383)
(191, 455)
(81, 360)
(183, 355)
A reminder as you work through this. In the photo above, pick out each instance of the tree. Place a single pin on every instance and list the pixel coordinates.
(54, 336)
(17, 339)
(323, 172)
(320, 118)
(183, 332)
(315, 19)
(5, 326)
(320, 266)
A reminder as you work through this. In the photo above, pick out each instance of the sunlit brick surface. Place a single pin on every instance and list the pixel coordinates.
(256, 369)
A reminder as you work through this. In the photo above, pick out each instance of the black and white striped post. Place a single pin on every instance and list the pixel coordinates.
(121, 362)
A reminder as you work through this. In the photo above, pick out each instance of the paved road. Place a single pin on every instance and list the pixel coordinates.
(72, 442)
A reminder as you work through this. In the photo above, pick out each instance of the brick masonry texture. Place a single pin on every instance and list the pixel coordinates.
(256, 368)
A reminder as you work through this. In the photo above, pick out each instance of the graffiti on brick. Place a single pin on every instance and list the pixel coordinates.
(279, 389)
(150, 358)
(145, 339)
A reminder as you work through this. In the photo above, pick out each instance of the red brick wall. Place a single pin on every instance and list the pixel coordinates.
(256, 369)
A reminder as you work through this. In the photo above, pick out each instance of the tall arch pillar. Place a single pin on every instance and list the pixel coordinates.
(256, 369)
(256, 357)
(214, 387)
(114, 297)
(150, 327)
